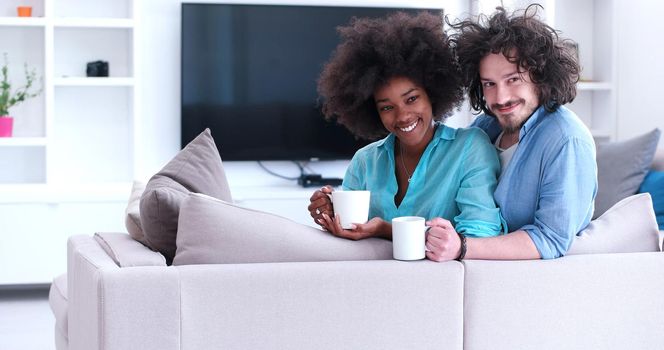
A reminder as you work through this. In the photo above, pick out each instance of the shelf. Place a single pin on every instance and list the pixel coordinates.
(593, 85)
(22, 141)
(22, 22)
(93, 81)
(68, 22)
(93, 22)
(71, 171)
(64, 193)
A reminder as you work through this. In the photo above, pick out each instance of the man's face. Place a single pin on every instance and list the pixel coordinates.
(509, 93)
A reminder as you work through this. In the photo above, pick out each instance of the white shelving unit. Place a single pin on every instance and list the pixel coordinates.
(591, 23)
(73, 145)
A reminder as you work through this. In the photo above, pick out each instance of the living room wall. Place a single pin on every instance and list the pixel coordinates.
(640, 68)
(159, 35)
(159, 66)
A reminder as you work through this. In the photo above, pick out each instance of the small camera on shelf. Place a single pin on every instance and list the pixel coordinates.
(97, 69)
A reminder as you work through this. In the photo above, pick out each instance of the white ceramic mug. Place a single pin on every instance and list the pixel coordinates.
(408, 238)
(351, 206)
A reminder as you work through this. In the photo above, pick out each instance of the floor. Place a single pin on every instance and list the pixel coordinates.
(26, 320)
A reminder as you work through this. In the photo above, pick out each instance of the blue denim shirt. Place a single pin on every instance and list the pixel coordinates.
(455, 179)
(548, 188)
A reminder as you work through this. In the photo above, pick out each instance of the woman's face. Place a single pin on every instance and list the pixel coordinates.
(405, 110)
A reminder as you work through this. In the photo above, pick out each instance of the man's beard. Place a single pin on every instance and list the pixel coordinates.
(509, 129)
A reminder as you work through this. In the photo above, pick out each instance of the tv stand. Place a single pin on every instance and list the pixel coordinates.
(316, 180)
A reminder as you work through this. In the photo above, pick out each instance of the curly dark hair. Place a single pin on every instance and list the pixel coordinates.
(524, 40)
(374, 50)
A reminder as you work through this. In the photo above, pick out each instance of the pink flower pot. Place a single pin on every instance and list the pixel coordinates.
(6, 126)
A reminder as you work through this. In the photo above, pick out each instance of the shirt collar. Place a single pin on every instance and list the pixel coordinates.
(532, 122)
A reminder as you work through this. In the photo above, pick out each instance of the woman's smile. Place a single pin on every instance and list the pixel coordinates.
(410, 127)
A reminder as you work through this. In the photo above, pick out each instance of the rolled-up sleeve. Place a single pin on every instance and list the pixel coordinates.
(478, 214)
(568, 188)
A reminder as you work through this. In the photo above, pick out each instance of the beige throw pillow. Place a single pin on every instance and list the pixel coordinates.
(628, 226)
(212, 231)
(197, 168)
(133, 213)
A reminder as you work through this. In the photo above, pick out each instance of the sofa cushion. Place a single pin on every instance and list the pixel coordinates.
(133, 213)
(654, 184)
(212, 231)
(621, 167)
(629, 226)
(58, 301)
(126, 251)
(196, 168)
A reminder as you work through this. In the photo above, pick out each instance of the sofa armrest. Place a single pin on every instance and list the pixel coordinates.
(119, 308)
(597, 301)
(84, 259)
(127, 252)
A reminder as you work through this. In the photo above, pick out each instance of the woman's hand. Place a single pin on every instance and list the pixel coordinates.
(443, 242)
(320, 203)
(375, 227)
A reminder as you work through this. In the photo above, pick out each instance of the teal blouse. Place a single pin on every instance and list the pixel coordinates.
(455, 179)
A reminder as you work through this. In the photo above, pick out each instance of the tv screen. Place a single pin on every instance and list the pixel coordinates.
(249, 74)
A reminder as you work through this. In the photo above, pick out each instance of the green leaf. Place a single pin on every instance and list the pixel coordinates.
(9, 98)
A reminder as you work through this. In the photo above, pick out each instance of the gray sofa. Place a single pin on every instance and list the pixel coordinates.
(599, 301)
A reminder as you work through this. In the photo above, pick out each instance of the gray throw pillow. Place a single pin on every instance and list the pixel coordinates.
(211, 231)
(196, 168)
(621, 167)
(629, 226)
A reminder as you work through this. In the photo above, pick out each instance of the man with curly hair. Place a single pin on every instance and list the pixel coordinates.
(520, 74)
(396, 78)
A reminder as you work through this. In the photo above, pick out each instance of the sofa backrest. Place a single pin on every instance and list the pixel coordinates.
(596, 301)
(378, 304)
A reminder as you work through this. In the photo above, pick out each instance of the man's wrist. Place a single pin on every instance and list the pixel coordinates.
(463, 248)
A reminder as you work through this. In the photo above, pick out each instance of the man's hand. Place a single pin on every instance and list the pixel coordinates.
(443, 242)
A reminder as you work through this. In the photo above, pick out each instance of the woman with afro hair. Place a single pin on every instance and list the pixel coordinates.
(396, 78)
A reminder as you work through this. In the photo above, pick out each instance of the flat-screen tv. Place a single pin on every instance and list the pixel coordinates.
(249, 73)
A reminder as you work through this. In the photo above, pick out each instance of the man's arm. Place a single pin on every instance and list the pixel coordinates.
(515, 245)
(565, 204)
(443, 243)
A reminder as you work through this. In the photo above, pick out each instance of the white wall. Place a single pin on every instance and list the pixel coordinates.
(159, 71)
(640, 67)
(639, 72)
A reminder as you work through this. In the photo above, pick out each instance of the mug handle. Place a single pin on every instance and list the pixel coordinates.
(426, 233)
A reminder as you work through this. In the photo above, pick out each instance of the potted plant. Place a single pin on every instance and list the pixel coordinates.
(9, 97)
